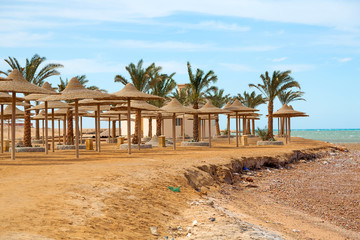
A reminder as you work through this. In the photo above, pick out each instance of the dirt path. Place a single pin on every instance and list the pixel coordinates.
(110, 195)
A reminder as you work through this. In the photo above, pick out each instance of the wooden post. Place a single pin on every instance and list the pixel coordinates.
(129, 126)
(237, 128)
(81, 130)
(139, 130)
(174, 129)
(2, 128)
(64, 129)
(286, 130)
(96, 132)
(119, 125)
(289, 130)
(183, 124)
(13, 109)
(113, 131)
(77, 127)
(162, 127)
(109, 129)
(59, 130)
(46, 127)
(43, 131)
(209, 130)
(253, 127)
(98, 128)
(52, 130)
(228, 127)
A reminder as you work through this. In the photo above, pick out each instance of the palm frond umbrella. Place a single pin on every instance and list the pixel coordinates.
(76, 91)
(129, 92)
(239, 108)
(286, 113)
(52, 105)
(209, 109)
(18, 84)
(139, 105)
(175, 107)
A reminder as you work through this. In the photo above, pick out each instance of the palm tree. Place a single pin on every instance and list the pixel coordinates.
(182, 96)
(251, 100)
(141, 78)
(198, 87)
(34, 75)
(286, 97)
(161, 85)
(270, 88)
(218, 99)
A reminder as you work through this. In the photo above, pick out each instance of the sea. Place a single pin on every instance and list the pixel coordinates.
(328, 135)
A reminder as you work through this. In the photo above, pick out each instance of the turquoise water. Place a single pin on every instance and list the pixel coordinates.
(329, 135)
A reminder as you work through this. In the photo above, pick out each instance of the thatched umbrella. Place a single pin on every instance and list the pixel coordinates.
(52, 105)
(239, 108)
(129, 92)
(209, 109)
(18, 85)
(138, 105)
(286, 113)
(76, 91)
(175, 107)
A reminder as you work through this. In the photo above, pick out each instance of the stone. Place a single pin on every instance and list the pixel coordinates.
(194, 144)
(266, 143)
(135, 146)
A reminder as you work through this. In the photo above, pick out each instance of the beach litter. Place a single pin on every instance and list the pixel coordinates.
(245, 169)
(174, 189)
(212, 219)
(154, 231)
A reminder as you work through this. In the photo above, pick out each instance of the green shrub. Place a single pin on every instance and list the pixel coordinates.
(262, 133)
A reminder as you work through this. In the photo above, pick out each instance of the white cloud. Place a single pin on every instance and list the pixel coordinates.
(279, 59)
(341, 14)
(293, 67)
(344, 60)
(213, 25)
(81, 66)
(24, 39)
(237, 67)
(165, 45)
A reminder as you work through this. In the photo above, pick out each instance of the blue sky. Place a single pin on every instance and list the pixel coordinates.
(239, 40)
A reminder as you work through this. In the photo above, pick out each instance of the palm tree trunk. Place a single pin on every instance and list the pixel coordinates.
(70, 128)
(217, 125)
(27, 127)
(37, 125)
(150, 127)
(196, 124)
(135, 139)
(158, 124)
(270, 120)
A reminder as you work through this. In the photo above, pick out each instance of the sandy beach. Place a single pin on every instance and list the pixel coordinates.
(110, 195)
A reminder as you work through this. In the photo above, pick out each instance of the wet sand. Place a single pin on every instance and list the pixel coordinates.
(110, 195)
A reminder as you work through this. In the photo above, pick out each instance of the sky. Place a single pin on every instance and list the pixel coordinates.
(319, 41)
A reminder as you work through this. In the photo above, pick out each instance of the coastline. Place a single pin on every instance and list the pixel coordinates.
(112, 196)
